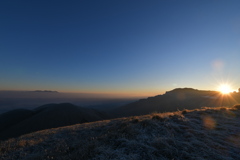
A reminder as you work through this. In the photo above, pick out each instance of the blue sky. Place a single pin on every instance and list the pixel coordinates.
(135, 47)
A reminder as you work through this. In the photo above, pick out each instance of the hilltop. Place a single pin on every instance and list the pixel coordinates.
(178, 99)
(209, 133)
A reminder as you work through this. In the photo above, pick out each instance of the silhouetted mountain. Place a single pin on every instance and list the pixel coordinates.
(13, 117)
(178, 99)
(18, 122)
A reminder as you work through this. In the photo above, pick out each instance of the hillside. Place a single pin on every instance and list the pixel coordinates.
(178, 99)
(190, 134)
(22, 121)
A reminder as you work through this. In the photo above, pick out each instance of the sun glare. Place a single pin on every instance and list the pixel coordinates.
(224, 89)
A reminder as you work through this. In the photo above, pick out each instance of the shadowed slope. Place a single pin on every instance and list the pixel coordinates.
(50, 116)
(177, 99)
(12, 117)
(197, 134)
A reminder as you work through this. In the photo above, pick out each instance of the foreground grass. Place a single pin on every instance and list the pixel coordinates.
(197, 134)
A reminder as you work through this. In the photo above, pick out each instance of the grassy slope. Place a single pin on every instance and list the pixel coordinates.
(197, 134)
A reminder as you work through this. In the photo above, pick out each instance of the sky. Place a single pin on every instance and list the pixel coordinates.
(134, 47)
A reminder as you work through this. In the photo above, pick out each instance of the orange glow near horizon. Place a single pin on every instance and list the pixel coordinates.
(120, 93)
(115, 94)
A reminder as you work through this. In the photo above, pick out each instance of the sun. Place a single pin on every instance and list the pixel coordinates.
(224, 89)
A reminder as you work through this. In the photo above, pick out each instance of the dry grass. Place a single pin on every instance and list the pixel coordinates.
(205, 133)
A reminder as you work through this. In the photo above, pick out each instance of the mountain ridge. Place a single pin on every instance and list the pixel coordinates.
(179, 99)
(22, 121)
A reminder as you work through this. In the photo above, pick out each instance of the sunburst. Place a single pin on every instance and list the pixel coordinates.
(225, 88)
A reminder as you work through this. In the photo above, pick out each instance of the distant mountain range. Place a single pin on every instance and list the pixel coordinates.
(45, 91)
(22, 121)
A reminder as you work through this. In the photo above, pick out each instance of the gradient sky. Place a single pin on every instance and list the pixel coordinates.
(125, 46)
